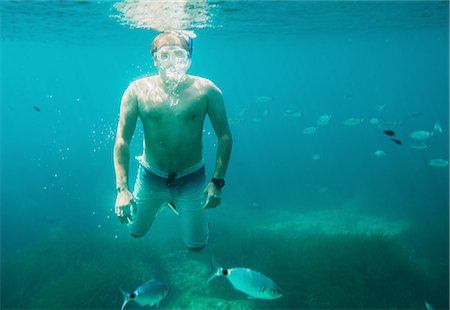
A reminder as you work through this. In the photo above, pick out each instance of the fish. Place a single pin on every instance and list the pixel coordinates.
(316, 157)
(263, 99)
(390, 133)
(37, 108)
(241, 109)
(252, 283)
(353, 121)
(420, 145)
(415, 115)
(373, 120)
(421, 135)
(380, 107)
(324, 120)
(379, 153)
(396, 141)
(323, 189)
(438, 162)
(310, 130)
(233, 121)
(148, 294)
(293, 113)
(388, 125)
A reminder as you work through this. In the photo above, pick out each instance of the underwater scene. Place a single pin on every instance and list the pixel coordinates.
(336, 194)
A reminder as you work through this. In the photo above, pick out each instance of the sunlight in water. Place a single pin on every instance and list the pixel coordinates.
(164, 15)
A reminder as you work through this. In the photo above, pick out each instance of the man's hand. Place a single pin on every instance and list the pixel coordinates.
(211, 196)
(125, 204)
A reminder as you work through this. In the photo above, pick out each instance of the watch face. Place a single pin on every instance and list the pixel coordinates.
(219, 182)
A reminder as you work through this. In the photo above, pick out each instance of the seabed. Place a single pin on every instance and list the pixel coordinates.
(321, 259)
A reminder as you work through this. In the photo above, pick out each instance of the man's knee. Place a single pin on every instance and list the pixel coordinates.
(195, 246)
(134, 235)
(196, 249)
(136, 231)
(196, 242)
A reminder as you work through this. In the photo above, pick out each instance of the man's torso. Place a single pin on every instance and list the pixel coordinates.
(172, 134)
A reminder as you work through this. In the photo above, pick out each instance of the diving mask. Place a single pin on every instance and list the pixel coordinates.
(171, 54)
(173, 62)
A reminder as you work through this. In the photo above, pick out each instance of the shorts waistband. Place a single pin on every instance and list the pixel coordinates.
(164, 174)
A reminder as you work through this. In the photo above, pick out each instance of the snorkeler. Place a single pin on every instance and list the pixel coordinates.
(172, 107)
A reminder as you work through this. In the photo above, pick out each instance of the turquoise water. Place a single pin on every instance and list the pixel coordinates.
(333, 224)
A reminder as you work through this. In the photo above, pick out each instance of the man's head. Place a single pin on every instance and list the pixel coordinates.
(171, 53)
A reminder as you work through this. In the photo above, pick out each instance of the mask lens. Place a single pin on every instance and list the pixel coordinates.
(163, 55)
(172, 54)
(180, 55)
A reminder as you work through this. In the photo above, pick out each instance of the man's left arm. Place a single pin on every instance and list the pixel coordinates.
(217, 115)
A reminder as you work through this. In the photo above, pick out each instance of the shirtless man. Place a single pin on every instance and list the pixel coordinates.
(172, 107)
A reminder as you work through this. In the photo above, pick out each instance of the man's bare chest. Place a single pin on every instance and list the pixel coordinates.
(162, 108)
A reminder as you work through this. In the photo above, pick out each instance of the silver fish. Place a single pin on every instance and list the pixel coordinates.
(310, 130)
(438, 162)
(324, 119)
(316, 157)
(241, 108)
(353, 121)
(253, 283)
(420, 145)
(380, 107)
(387, 125)
(293, 113)
(323, 189)
(263, 99)
(374, 121)
(379, 153)
(421, 135)
(148, 294)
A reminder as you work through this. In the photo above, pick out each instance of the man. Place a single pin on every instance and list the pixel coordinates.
(172, 107)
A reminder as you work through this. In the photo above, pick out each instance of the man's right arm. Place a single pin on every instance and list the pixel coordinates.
(127, 124)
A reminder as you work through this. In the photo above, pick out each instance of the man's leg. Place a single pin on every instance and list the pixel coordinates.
(145, 214)
(149, 197)
(194, 221)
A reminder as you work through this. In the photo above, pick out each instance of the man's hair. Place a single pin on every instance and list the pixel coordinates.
(172, 38)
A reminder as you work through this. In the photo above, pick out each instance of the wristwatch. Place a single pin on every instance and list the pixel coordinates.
(218, 182)
(120, 188)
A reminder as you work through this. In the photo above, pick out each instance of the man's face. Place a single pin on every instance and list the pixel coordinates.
(172, 61)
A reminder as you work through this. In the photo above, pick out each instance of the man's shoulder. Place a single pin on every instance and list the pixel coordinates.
(198, 79)
(141, 81)
(141, 84)
(203, 83)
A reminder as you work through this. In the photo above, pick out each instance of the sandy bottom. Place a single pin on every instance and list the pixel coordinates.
(331, 222)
